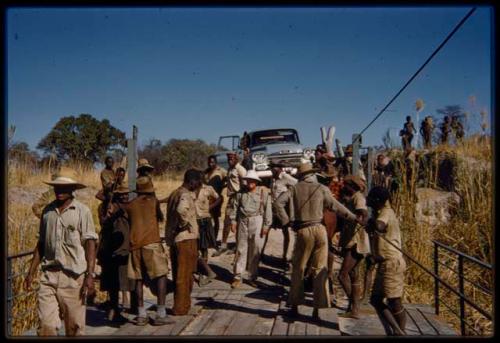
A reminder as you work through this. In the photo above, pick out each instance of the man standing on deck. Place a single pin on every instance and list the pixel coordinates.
(306, 201)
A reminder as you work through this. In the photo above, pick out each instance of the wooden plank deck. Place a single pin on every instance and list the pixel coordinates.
(218, 310)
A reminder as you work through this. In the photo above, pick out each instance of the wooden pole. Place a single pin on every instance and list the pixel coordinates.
(132, 161)
(356, 142)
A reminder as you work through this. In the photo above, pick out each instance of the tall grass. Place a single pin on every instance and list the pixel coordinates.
(469, 229)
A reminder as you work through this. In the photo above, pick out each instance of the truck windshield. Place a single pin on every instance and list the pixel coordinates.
(274, 136)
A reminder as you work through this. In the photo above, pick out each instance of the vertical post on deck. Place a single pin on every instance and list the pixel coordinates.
(370, 168)
(436, 280)
(356, 142)
(9, 296)
(461, 290)
(132, 161)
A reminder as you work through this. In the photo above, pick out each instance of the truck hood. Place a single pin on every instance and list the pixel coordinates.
(279, 148)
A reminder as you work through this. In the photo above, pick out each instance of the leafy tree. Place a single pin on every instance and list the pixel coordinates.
(83, 138)
(177, 154)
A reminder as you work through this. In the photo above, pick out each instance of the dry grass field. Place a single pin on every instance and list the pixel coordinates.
(470, 228)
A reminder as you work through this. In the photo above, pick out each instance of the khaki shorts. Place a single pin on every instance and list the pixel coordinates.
(389, 278)
(151, 259)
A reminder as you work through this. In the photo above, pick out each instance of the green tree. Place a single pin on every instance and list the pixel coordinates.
(177, 154)
(83, 138)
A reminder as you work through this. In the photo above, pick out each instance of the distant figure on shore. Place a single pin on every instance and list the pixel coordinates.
(426, 131)
(407, 133)
(457, 128)
(445, 130)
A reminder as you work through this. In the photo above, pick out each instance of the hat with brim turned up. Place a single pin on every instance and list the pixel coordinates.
(252, 175)
(66, 177)
(306, 168)
(356, 181)
(121, 190)
(144, 164)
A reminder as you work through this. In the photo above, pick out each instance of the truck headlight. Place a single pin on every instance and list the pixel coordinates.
(259, 158)
(308, 153)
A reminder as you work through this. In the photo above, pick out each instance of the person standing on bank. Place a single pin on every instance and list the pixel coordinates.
(445, 130)
(280, 183)
(181, 233)
(235, 175)
(147, 255)
(426, 129)
(66, 250)
(206, 199)
(354, 242)
(306, 201)
(391, 266)
(215, 176)
(251, 217)
(407, 133)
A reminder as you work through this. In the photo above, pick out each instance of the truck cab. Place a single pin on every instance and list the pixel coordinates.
(266, 147)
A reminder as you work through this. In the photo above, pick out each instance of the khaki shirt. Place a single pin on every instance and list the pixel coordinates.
(250, 204)
(234, 176)
(350, 232)
(307, 200)
(393, 234)
(206, 195)
(181, 214)
(107, 179)
(216, 178)
(144, 214)
(281, 185)
(63, 235)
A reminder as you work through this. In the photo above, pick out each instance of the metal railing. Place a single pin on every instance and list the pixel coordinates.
(463, 299)
(11, 296)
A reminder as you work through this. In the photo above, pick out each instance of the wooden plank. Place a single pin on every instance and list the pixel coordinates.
(367, 325)
(244, 321)
(329, 322)
(312, 327)
(199, 322)
(281, 323)
(222, 317)
(443, 329)
(264, 324)
(298, 326)
(423, 327)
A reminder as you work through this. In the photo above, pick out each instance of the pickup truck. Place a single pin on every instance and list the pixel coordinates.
(266, 147)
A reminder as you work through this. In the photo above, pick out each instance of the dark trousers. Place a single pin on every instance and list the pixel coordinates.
(184, 257)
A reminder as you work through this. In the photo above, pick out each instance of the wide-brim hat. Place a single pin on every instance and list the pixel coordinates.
(144, 185)
(121, 190)
(356, 180)
(252, 175)
(65, 177)
(143, 163)
(306, 168)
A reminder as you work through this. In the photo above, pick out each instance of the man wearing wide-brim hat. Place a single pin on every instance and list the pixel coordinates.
(307, 201)
(147, 254)
(66, 252)
(251, 216)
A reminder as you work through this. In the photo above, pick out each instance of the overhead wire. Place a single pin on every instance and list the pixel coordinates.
(457, 27)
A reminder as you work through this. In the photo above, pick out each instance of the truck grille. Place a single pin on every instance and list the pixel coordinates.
(291, 160)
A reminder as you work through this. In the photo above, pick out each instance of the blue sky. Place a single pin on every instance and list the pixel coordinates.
(204, 72)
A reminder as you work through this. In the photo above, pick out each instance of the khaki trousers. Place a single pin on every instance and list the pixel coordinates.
(59, 298)
(184, 257)
(248, 245)
(311, 242)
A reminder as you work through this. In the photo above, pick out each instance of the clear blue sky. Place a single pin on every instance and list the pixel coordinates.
(204, 72)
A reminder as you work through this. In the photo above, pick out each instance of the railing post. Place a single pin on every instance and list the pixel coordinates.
(132, 161)
(461, 290)
(436, 281)
(9, 297)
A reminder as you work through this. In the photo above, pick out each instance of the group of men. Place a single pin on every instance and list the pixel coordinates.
(131, 253)
(449, 125)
